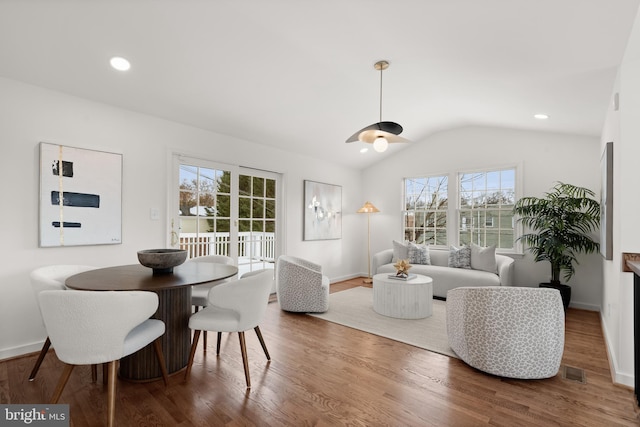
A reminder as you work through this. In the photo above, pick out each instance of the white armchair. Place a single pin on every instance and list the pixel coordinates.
(513, 332)
(301, 286)
(88, 327)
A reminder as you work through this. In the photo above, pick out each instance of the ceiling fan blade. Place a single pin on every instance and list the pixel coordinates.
(389, 128)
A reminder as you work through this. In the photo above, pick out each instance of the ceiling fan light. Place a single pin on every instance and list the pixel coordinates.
(380, 144)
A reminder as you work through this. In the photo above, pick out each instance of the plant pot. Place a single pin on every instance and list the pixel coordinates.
(565, 292)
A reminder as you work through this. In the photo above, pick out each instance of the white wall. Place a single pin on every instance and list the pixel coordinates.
(29, 115)
(623, 129)
(544, 157)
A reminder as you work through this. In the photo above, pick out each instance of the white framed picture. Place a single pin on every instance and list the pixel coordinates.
(80, 196)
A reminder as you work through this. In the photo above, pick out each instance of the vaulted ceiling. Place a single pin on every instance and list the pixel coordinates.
(299, 75)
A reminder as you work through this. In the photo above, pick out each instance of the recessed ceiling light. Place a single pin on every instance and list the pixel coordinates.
(120, 63)
(541, 116)
(364, 150)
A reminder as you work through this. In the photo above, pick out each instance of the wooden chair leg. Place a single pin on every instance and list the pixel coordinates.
(94, 373)
(264, 346)
(61, 383)
(105, 374)
(192, 354)
(204, 341)
(157, 345)
(43, 353)
(245, 361)
(111, 392)
(218, 343)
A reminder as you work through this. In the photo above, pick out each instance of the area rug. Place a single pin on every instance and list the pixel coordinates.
(354, 308)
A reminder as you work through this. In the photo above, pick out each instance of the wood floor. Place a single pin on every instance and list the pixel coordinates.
(324, 374)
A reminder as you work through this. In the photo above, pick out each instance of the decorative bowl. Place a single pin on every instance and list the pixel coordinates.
(162, 261)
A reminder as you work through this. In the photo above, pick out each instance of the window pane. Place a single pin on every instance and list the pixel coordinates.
(258, 186)
(270, 209)
(258, 208)
(223, 208)
(206, 205)
(244, 185)
(270, 188)
(224, 181)
(244, 207)
(207, 180)
(187, 202)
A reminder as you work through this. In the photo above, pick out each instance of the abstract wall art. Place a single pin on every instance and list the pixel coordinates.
(322, 211)
(80, 196)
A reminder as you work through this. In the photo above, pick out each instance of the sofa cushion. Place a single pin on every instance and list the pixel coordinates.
(419, 254)
(460, 257)
(483, 258)
(400, 251)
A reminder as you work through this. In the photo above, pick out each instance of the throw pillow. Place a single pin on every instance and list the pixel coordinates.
(460, 257)
(400, 251)
(419, 254)
(484, 258)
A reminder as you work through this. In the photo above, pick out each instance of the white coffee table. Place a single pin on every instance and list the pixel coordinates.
(403, 299)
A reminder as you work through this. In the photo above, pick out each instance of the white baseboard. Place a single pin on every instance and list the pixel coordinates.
(617, 377)
(10, 353)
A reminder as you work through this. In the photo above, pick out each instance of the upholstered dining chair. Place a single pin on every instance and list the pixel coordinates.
(301, 286)
(236, 306)
(52, 277)
(200, 293)
(90, 327)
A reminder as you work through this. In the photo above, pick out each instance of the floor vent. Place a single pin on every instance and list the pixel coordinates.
(573, 374)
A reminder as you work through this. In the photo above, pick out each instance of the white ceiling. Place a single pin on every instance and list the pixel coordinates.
(299, 74)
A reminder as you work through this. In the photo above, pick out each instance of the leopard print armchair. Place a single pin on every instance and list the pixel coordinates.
(513, 332)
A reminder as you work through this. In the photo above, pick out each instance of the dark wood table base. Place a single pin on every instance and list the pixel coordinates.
(174, 310)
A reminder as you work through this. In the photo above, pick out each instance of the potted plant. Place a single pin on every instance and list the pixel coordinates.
(560, 224)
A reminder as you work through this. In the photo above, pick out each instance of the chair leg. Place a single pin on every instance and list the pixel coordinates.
(264, 346)
(192, 354)
(204, 341)
(61, 383)
(43, 353)
(245, 361)
(218, 343)
(94, 373)
(157, 345)
(111, 392)
(105, 374)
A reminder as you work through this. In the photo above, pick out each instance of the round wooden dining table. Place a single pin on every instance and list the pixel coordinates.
(174, 308)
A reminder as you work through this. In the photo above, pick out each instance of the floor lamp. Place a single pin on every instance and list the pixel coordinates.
(368, 208)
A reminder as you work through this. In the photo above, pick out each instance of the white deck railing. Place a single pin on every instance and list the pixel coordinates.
(252, 245)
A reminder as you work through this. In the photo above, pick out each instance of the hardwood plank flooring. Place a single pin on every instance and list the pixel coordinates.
(324, 374)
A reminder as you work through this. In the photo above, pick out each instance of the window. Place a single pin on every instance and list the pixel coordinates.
(485, 205)
(425, 210)
(482, 213)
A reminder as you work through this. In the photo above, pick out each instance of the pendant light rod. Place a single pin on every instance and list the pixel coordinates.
(381, 66)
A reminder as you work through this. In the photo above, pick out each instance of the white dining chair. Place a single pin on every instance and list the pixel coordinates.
(90, 327)
(200, 293)
(52, 277)
(236, 306)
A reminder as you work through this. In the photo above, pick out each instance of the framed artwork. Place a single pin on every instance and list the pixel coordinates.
(606, 202)
(322, 211)
(80, 196)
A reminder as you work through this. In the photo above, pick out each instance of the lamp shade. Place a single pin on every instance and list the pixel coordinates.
(368, 208)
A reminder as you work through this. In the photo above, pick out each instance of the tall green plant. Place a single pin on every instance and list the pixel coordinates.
(559, 224)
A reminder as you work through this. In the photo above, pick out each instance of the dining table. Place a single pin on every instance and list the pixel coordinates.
(174, 308)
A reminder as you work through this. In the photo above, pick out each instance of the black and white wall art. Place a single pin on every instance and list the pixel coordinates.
(322, 211)
(80, 196)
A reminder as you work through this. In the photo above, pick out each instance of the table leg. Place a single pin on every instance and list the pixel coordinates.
(174, 309)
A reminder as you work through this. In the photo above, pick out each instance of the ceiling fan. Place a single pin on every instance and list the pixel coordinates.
(382, 133)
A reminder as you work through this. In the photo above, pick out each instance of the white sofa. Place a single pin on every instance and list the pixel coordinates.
(446, 278)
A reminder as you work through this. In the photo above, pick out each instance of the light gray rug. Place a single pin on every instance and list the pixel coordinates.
(354, 308)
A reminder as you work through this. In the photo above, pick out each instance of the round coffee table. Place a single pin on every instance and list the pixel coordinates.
(403, 299)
